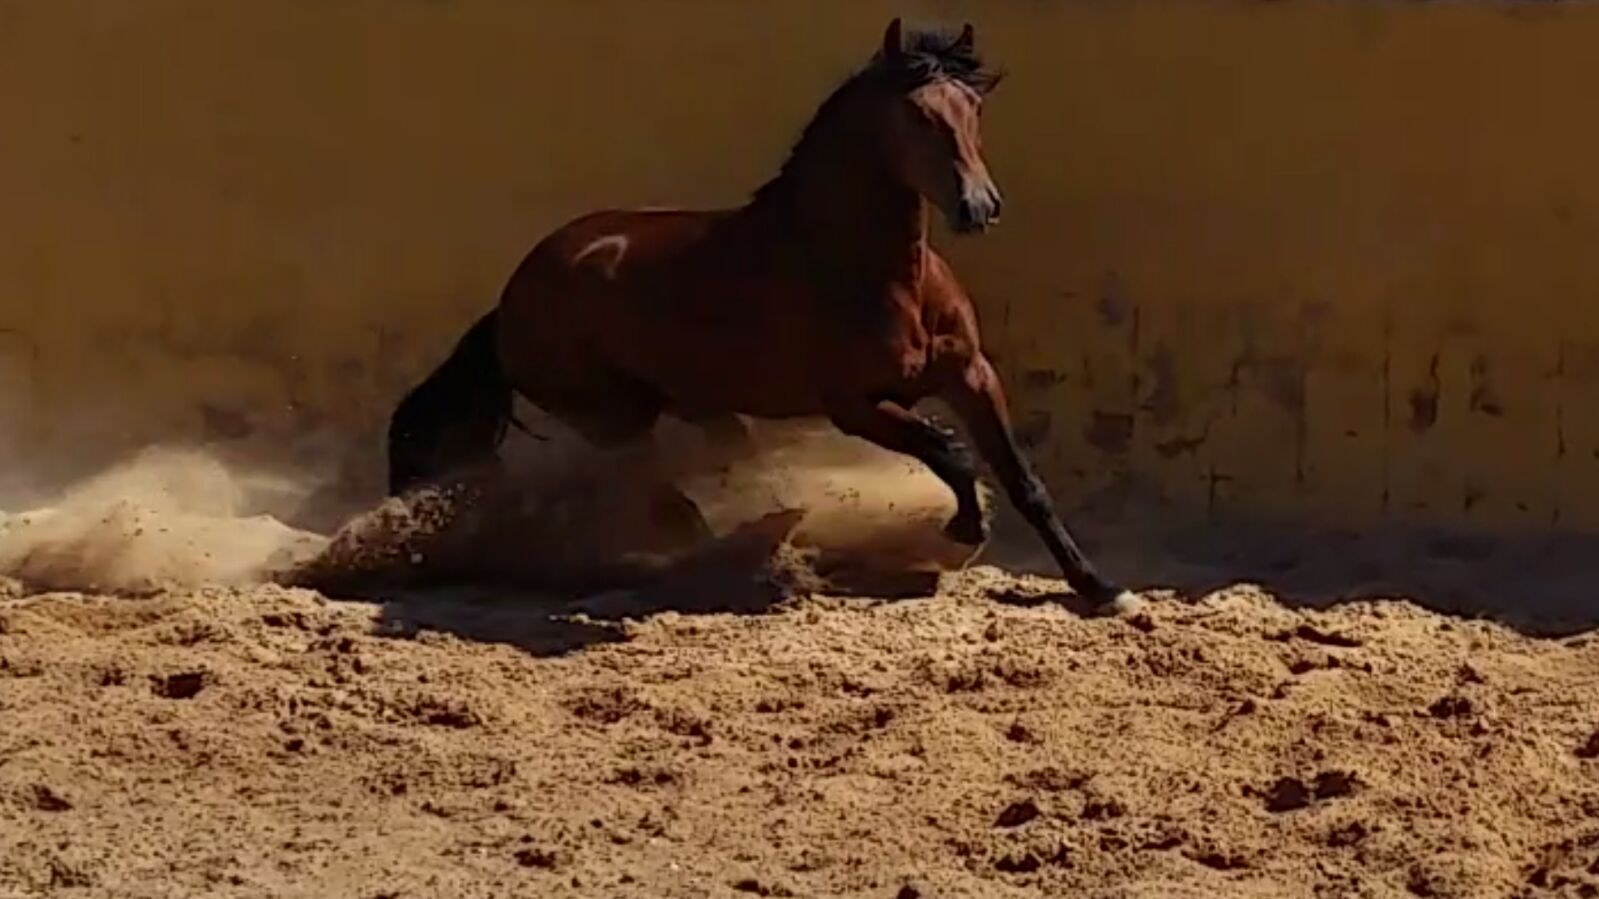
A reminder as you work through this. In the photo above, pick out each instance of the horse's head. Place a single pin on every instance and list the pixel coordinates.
(933, 135)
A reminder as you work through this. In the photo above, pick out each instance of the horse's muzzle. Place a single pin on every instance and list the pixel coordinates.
(979, 211)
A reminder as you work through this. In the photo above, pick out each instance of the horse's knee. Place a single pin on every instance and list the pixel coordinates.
(961, 458)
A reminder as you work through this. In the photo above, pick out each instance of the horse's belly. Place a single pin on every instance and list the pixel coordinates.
(755, 379)
(753, 366)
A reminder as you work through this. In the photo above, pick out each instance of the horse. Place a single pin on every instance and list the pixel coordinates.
(820, 297)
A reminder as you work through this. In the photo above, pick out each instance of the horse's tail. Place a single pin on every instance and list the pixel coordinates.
(457, 417)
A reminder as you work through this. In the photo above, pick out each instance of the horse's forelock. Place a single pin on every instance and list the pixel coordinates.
(934, 53)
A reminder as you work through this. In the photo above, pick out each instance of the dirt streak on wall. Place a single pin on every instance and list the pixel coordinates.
(1321, 260)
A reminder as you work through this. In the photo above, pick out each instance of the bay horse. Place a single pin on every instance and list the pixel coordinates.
(820, 297)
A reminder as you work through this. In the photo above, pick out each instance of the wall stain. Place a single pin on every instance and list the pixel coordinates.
(1179, 446)
(1109, 432)
(1424, 400)
(1033, 428)
(1214, 479)
(1113, 306)
(1282, 380)
(1041, 379)
(1484, 398)
(1162, 403)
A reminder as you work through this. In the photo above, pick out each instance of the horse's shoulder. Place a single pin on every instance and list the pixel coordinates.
(940, 285)
(949, 316)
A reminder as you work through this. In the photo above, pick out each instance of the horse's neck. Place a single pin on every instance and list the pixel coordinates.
(857, 226)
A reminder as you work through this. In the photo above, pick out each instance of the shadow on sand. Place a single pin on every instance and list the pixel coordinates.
(1542, 584)
(1539, 583)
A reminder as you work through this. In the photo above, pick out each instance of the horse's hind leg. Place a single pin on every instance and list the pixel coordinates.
(620, 420)
(895, 428)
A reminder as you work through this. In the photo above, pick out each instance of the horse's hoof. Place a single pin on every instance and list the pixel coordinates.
(968, 531)
(1121, 604)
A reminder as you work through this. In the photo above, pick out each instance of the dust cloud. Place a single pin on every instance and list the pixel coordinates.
(827, 511)
(166, 518)
(869, 514)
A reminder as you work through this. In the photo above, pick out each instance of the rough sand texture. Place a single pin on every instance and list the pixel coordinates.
(268, 742)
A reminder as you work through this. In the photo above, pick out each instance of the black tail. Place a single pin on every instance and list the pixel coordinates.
(454, 419)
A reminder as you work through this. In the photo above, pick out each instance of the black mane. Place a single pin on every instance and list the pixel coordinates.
(928, 55)
(931, 54)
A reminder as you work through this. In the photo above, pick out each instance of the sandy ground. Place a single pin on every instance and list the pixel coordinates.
(203, 734)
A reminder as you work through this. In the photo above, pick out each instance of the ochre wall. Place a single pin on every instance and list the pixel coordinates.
(1327, 261)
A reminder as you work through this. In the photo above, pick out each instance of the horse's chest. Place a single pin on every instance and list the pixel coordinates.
(876, 339)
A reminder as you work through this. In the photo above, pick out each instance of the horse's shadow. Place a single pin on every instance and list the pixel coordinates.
(1539, 582)
(532, 623)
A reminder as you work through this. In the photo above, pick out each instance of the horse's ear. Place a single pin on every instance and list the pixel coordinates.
(966, 41)
(894, 40)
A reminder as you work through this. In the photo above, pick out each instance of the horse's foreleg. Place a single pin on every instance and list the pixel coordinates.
(979, 399)
(895, 428)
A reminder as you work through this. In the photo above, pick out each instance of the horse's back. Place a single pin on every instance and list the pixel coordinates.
(669, 298)
(576, 269)
(678, 299)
